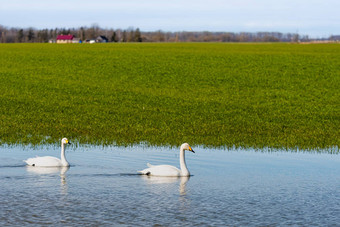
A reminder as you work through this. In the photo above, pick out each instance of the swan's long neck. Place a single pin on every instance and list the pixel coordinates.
(63, 158)
(184, 169)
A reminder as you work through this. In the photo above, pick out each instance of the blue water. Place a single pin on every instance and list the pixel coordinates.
(228, 187)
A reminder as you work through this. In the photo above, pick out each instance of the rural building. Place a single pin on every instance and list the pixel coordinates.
(65, 38)
(76, 40)
(101, 39)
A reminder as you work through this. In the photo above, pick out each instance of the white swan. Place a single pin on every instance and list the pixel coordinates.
(168, 170)
(48, 161)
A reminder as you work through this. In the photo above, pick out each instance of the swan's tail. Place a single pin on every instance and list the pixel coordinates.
(144, 172)
(29, 161)
(147, 170)
(149, 165)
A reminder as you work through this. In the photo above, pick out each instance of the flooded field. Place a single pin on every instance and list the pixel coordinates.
(227, 187)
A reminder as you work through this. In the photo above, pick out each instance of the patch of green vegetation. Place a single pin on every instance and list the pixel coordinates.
(214, 94)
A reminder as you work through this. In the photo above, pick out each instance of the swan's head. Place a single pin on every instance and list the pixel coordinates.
(65, 141)
(186, 146)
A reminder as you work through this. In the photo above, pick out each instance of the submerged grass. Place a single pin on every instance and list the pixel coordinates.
(214, 94)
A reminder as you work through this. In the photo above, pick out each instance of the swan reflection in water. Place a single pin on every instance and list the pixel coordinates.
(51, 171)
(47, 170)
(168, 182)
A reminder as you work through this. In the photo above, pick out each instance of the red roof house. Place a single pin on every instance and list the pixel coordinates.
(65, 38)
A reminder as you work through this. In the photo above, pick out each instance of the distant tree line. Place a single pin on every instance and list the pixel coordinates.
(32, 35)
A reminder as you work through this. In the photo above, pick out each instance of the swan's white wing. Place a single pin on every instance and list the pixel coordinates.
(43, 161)
(162, 170)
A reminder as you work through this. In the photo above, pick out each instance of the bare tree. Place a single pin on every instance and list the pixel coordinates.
(124, 36)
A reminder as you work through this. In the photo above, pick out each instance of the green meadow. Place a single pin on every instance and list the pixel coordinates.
(212, 94)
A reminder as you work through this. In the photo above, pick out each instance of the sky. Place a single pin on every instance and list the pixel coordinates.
(315, 18)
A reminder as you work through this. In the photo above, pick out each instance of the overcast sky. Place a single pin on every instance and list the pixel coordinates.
(316, 18)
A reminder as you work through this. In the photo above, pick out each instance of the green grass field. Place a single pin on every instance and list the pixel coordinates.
(214, 94)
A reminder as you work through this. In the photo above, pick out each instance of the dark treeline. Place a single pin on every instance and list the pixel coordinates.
(32, 35)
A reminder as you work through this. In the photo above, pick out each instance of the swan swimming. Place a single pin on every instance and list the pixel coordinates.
(49, 161)
(168, 170)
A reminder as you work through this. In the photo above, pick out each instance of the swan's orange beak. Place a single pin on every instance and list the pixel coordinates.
(190, 149)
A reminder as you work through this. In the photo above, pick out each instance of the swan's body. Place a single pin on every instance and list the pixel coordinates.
(49, 161)
(46, 161)
(168, 170)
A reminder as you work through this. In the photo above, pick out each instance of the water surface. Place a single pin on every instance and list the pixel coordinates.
(228, 187)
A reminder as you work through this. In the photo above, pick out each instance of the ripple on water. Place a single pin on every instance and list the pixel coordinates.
(232, 187)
